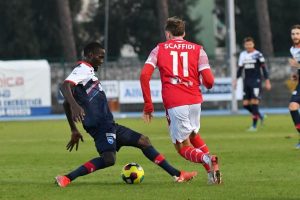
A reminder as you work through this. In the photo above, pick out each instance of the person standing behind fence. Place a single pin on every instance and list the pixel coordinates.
(252, 62)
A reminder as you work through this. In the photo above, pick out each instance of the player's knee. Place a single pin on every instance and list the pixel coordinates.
(246, 103)
(109, 158)
(293, 106)
(144, 141)
(254, 101)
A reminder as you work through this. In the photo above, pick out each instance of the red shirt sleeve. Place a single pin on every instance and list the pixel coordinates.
(207, 78)
(145, 77)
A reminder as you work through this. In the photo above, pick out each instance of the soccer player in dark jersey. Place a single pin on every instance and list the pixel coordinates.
(85, 102)
(295, 64)
(252, 62)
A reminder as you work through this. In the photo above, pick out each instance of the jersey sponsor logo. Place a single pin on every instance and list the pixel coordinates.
(110, 137)
(179, 46)
(249, 66)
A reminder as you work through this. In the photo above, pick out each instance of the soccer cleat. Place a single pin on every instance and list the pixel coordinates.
(215, 166)
(185, 176)
(262, 120)
(211, 179)
(298, 146)
(62, 181)
(252, 129)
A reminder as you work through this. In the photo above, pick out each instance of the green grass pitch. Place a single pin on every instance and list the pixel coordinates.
(261, 165)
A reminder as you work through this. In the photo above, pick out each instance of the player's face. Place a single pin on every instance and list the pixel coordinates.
(249, 46)
(97, 58)
(295, 35)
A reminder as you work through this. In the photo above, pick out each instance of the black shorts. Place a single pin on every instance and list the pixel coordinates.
(296, 95)
(252, 92)
(113, 138)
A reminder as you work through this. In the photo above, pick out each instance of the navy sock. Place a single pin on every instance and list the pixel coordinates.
(248, 107)
(88, 167)
(158, 159)
(255, 113)
(296, 119)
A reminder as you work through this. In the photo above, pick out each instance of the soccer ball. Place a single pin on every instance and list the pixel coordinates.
(132, 173)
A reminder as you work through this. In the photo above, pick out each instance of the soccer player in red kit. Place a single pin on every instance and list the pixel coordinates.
(183, 66)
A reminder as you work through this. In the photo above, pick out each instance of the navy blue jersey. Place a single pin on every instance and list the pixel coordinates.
(252, 63)
(89, 94)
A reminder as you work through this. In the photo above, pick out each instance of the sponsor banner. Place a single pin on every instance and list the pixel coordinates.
(222, 90)
(131, 92)
(111, 89)
(24, 88)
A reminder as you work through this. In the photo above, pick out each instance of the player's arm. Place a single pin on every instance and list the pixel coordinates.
(265, 72)
(76, 135)
(204, 69)
(239, 71)
(266, 77)
(207, 78)
(145, 78)
(77, 113)
(73, 111)
(294, 63)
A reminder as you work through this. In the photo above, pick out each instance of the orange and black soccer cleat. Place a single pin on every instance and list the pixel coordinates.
(185, 176)
(62, 181)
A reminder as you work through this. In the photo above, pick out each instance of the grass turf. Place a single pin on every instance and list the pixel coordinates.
(259, 165)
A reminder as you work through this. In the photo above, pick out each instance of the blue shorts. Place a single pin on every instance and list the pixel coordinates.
(113, 137)
(296, 95)
(252, 91)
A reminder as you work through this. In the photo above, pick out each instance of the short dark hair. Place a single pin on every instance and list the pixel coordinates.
(296, 26)
(175, 26)
(249, 39)
(91, 48)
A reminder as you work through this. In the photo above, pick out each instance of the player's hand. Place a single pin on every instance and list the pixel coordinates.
(234, 84)
(147, 117)
(294, 77)
(75, 137)
(77, 113)
(268, 85)
(293, 62)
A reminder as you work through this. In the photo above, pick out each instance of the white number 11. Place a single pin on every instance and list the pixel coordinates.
(185, 63)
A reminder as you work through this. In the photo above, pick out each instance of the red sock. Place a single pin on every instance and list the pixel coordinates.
(199, 143)
(194, 155)
(89, 166)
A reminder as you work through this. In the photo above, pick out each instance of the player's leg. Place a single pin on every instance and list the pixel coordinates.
(128, 137)
(195, 138)
(106, 159)
(254, 95)
(180, 131)
(105, 143)
(247, 105)
(247, 102)
(181, 128)
(246, 98)
(198, 142)
(294, 111)
(255, 112)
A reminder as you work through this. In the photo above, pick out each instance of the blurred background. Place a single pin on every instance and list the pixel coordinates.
(57, 30)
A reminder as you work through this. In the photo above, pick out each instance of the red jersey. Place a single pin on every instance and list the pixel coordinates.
(180, 64)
